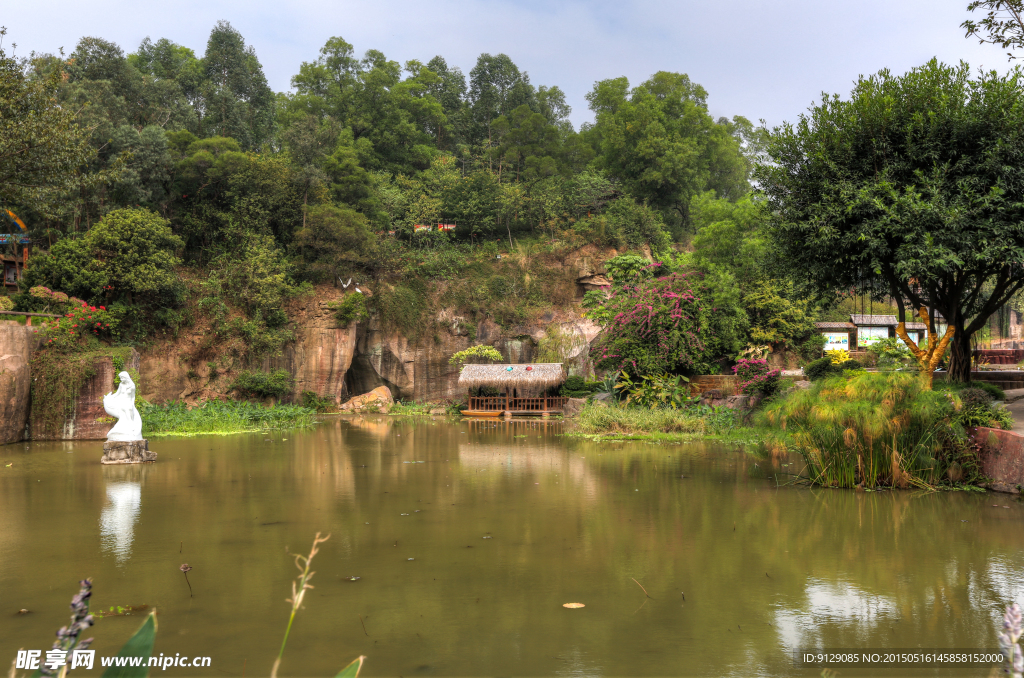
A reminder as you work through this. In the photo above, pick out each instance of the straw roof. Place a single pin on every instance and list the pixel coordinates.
(512, 376)
(829, 325)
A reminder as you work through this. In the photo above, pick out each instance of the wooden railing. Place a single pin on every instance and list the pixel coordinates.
(500, 403)
(487, 403)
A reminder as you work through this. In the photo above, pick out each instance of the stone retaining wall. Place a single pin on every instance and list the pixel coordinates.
(726, 383)
(1002, 457)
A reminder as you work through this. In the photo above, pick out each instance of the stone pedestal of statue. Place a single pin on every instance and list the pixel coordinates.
(127, 452)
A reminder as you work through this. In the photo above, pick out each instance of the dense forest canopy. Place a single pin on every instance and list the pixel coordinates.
(197, 139)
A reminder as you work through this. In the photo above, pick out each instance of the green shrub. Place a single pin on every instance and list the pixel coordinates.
(263, 384)
(577, 387)
(873, 429)
(821, 369)
(974, 397)
(481, 351)
(890, 352)
(851, 365)
(655, 390)
(351, 308)
(977, 409)
(6, 304)
(314, 402)
(811, 348)
(993, 390)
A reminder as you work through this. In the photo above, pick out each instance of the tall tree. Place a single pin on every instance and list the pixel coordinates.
(496, 87)
(912, 187)
(237, 102)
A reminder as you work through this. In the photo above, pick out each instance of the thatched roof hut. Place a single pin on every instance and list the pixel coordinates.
(507, 377)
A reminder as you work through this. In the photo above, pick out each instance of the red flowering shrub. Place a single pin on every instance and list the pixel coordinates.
(670, 324)
(756, 377)
(74, 327)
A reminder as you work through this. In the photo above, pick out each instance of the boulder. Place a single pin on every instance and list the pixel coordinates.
(377, 400)
(127, 452)
(16, 343)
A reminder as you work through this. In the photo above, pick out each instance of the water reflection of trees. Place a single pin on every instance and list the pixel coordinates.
(764, 567)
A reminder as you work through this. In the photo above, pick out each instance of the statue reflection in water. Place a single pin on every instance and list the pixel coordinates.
(118, 518)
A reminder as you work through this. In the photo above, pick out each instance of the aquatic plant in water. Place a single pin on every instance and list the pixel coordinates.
(872, 429)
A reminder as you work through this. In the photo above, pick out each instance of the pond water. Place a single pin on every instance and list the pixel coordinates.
(468, 539)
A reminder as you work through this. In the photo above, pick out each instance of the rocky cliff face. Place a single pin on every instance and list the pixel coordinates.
(338, 363)
(16, 345)
(89, 421)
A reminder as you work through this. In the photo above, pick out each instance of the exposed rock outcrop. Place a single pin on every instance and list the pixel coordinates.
(88, 420)
(16, 344)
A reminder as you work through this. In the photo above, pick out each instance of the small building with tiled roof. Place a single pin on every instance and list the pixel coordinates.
(839, 336)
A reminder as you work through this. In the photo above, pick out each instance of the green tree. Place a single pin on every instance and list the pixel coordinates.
(910, 187)
(728, 235)
(128, 256)
(236, 100)
(41, 146)
(1003, 24)
(660, 142)
(496, 88)
(333, 242)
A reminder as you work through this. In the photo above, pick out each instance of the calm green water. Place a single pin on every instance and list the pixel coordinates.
(468, 540)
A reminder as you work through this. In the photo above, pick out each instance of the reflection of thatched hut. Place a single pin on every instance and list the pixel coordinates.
(523, 388)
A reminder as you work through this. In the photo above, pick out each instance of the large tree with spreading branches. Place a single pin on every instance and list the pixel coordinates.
(911, 187)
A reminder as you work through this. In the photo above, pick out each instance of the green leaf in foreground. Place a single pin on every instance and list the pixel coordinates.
(352, 670)
(139, 645)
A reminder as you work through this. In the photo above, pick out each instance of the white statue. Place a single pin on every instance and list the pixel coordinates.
(121, 404)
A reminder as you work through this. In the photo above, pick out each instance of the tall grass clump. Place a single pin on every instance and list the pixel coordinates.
(220, 417)
(639, 420)
(873, 429)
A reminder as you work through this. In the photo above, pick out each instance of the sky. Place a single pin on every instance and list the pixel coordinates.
(763, 60)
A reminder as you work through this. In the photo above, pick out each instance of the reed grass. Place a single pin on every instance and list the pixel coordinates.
(220, 417)
(870, 430)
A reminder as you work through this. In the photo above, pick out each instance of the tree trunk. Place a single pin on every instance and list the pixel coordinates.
(960, 356)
